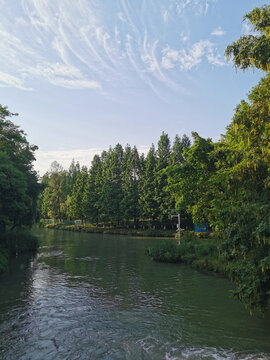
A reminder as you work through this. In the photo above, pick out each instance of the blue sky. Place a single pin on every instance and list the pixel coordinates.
(87, 74)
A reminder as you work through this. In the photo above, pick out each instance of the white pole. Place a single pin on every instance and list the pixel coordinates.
(178, 226)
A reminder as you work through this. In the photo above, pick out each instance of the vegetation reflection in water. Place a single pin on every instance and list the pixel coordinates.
(100, 297)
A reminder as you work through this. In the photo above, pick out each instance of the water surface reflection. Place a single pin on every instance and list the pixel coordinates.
(100, 297)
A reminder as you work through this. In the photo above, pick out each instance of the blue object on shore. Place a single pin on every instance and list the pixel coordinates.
(200, 227)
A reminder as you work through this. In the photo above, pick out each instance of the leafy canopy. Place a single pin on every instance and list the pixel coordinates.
(253, 50)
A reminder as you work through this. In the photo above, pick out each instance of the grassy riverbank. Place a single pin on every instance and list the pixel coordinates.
(209, 254)
(200, 253)
(15, 243)
(112, 230)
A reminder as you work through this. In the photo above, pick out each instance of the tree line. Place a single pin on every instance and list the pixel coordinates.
(121, 187)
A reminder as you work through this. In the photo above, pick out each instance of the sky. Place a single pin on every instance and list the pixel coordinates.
(87, 74)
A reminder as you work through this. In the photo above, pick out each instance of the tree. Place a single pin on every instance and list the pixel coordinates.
(112, 192)
(148, 203)
(73, 171)
(242, 204)
(131, 169)
(54, 196)
(162, 197)
(253, 50)
(76, 205)
(178, 147)
(18, 181)
(92, 192)
(190, 183)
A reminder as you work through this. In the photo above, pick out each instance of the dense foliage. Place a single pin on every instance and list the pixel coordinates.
(202, 254)
(19, 188)
(18, 181)
(253, 49)
(121, 188)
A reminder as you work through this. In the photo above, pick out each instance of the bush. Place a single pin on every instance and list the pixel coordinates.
(199, 253)
(166, 251)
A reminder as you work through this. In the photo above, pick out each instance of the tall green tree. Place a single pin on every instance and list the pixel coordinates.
(19, 186)
(162, 196)
(179, 144)
(112, 191)
(76, 205)
(131, 174)
(242, 204)
(190, 183)
(148, 204)
(53, 197)
(92, 192)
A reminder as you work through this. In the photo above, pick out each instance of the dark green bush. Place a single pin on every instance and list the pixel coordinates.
(166, 251)
(197, 252)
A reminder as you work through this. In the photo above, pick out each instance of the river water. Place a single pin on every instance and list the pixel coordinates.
(88, 296)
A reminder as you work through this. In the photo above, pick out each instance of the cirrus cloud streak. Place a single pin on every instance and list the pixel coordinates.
(87, 45)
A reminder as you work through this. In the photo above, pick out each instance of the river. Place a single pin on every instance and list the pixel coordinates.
(93, 296)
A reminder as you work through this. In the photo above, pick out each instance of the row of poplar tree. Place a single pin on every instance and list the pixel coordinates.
(121, 187)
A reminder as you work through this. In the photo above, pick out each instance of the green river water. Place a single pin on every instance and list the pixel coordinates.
(88, 296)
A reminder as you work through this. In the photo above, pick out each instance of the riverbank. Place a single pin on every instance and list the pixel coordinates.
(199, 253)
(208, 255)
(112, 231)
(202, 253)
(14, 243)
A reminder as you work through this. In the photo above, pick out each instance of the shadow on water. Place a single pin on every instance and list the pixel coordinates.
(89, 296)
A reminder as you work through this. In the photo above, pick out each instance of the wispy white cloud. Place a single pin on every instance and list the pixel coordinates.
(148, 56)
(63, 75)
(184, 36)
(170, 58)
(13, 81)
(199, 7)
(152, 62)
(85, 44)
(165, 15)
(192, 57)
(121, 16)
(186, 59)
(215, 59)
(218, 32)
(137, 67)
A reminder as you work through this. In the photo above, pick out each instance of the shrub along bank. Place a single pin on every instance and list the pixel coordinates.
(200, 253)
(112, 230)
(209, 254)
